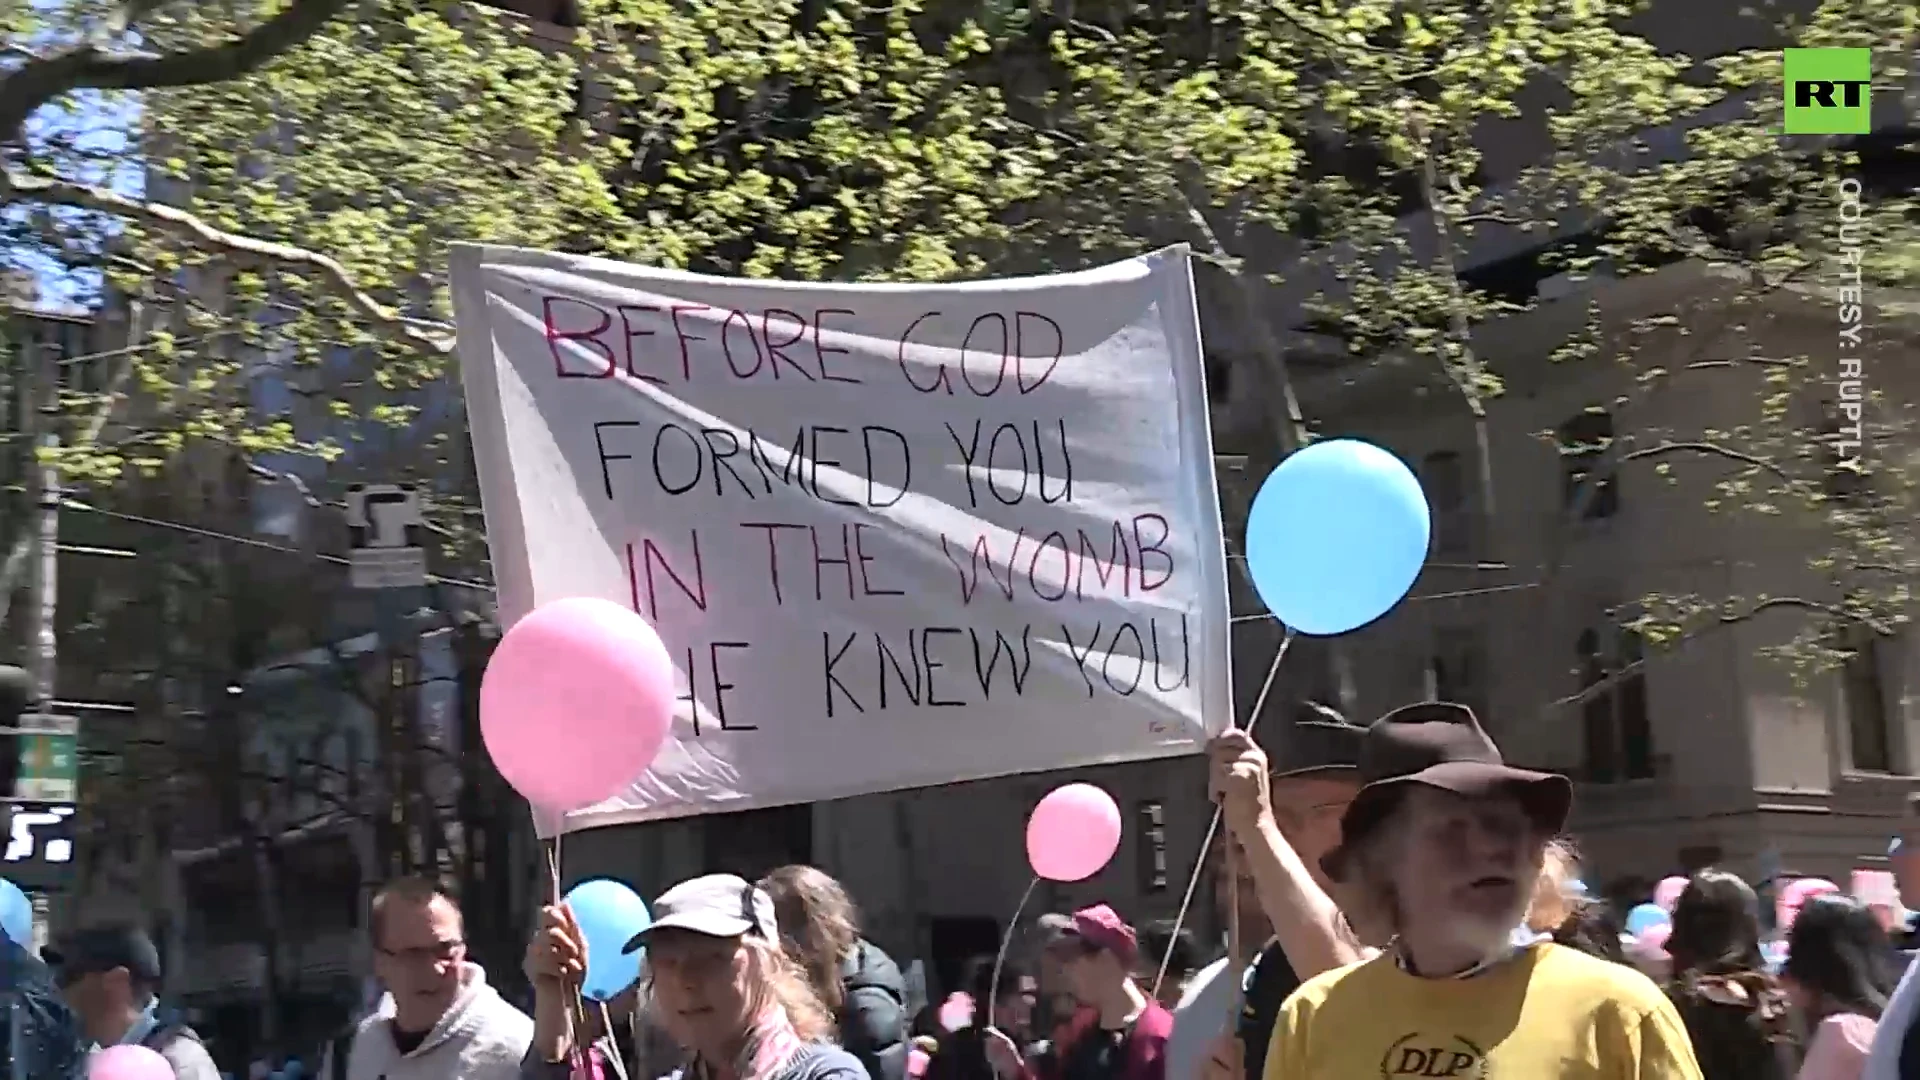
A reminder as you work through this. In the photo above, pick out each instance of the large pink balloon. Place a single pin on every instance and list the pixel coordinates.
(1072, 833)
(576, 702)
(1794, 895)
(1667, 893)
(128, 1063)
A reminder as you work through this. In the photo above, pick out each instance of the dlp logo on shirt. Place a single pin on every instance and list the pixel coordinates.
(1422, 1055)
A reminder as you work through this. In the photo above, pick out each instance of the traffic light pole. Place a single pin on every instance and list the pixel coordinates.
(44, 591)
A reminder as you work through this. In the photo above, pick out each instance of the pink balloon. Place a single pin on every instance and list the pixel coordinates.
(1667, 893)
(576, 702)
(1072, 833)
(1794, 895)
(128, 1063)
(956, 1013)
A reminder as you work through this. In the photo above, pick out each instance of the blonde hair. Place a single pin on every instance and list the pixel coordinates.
(782, 988)
(1554, 900)
(818, 925)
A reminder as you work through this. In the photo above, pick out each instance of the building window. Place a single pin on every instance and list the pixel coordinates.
(1589, 486)
(1152, 842)
(1615, 718)
(1863, 699)
(1445, 479)
(1457, 671)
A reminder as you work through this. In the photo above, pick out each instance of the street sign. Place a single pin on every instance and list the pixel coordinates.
(47, 748)
(39, 852)
(385, 521)
(49, 768)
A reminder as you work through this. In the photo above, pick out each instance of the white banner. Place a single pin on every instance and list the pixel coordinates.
(894, 535)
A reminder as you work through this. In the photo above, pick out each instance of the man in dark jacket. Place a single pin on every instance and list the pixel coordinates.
(45, 1044)
(874, 1020)
(111, 976)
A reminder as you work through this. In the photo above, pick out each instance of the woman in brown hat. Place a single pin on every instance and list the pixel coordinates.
(1443, 846)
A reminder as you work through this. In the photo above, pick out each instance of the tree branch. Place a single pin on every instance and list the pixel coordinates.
(1712, 449)
(1758, 361)
(90, 67)
(415, 332)
(1613, 678)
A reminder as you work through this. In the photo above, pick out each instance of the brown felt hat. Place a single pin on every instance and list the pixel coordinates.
(1440, 745)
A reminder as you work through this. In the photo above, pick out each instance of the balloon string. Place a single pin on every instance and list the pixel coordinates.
(577, 1060)
(613, 1045)
(1206, 845)
(1000, 958)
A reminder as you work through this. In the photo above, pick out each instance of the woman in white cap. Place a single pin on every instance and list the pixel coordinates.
(715, 979)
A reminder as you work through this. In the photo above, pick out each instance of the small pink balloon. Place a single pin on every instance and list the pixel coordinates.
(956, 1013)
(1654, 938)
(1667, 893)
(576, 702)
(128, 1063)
(1073, 832)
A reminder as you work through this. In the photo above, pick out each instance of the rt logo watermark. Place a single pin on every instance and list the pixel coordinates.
(1829, 91)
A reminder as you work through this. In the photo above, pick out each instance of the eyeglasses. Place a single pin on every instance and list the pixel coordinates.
(437, 953)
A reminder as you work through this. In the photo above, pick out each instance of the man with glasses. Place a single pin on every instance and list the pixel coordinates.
(438, 1019)
(1281, 816)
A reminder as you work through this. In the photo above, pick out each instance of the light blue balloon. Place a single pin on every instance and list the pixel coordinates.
(609, 915)
(1645, 917)
(16, 914)
(1336, 536)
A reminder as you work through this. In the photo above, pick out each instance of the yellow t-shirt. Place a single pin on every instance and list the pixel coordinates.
(1550, 1014)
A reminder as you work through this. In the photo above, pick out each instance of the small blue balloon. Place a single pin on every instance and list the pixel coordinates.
(1336, 536)
(16, 914)
(1645, 917)
(609, 915)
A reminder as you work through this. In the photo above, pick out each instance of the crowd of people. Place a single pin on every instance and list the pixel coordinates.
(1408, 905)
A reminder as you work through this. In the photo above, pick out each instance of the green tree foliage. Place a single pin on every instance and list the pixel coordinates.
(1352, 154)
(312, 158)
(297, 214)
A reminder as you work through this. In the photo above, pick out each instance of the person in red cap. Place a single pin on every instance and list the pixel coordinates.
(1442, 848)
(1120, 1033)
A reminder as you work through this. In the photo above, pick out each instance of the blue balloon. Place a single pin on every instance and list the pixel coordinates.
(1645, 917)
(609, 915)
(1336, 536)
(16, 914)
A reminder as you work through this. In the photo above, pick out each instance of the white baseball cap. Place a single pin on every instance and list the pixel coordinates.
(717, 905)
